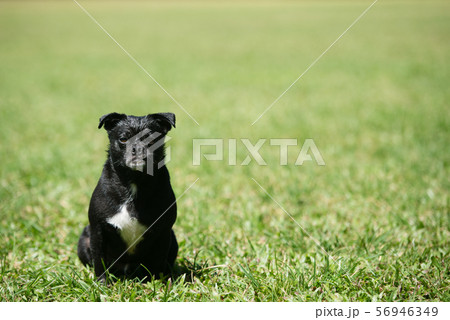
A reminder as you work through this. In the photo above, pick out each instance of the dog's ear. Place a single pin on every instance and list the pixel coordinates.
(110, 120)
(164, 121)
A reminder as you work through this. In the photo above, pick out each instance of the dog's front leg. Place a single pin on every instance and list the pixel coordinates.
(98, 252)
(157, 258)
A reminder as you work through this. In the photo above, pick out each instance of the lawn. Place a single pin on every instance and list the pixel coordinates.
(372, 224)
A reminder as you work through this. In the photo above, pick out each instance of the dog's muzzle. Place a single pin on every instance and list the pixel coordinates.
(136, 156)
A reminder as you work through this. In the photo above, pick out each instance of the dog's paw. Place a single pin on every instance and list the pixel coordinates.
(102, 279)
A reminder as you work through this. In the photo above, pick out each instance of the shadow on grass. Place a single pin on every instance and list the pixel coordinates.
(190, 270)
(183, 268)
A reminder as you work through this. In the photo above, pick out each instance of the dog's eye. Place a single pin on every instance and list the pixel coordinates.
(123, 140)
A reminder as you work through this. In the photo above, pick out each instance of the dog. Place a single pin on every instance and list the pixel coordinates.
(133, 207)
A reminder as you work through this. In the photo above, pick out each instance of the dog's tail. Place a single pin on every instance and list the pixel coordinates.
(84, 246)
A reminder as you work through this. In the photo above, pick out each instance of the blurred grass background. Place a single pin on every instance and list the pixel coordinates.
(376, 106)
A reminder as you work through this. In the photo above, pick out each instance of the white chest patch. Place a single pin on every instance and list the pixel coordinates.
(131, 230)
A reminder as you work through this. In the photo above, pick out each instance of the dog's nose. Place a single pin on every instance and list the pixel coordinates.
(138, 150)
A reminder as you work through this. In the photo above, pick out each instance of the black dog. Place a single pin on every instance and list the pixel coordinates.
(132, 209)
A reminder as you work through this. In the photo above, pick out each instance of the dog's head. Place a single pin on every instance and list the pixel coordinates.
(137, 142)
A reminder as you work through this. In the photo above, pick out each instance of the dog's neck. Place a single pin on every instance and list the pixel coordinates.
(137, 179)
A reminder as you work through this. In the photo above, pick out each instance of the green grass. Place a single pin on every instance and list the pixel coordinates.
(376, 105)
